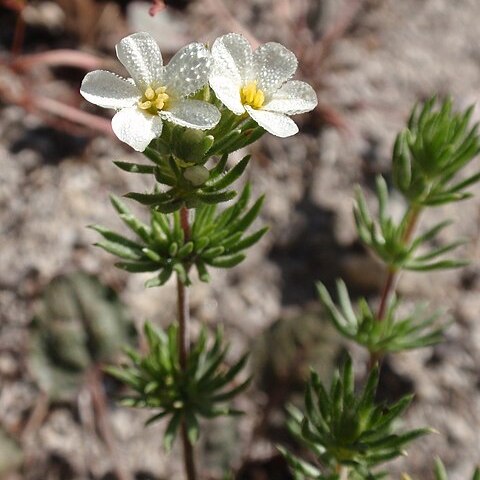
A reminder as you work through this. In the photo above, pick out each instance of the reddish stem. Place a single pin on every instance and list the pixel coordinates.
(391, 280)
(19, 34)
(183, 347)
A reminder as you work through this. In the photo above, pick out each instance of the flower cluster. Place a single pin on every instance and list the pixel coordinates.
(249, 84)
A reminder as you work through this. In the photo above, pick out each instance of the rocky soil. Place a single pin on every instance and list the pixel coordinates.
(53, 184)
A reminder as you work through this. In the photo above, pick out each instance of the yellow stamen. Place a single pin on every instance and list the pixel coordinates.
(145, 105)
(259, 99)
(149, 93)
(154, 100)
(251, 95)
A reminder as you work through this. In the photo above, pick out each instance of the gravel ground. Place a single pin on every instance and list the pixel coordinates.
(52, 185)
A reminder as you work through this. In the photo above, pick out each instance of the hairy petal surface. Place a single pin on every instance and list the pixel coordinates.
(274, 65)
(188, 70)
(136, 128)
(192, 114)
(232, 68)
(293, 97)
(141, 56)
(108, 90)
(227, 92)
(275, 123)
(233, 57)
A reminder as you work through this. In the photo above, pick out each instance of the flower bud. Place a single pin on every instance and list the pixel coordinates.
(192, 145)
(196, 175)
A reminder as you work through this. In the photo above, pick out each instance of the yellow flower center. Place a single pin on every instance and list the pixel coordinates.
(154, 100)
(251, 95)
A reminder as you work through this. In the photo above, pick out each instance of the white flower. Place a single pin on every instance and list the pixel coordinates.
(259, 83)
(155, 92)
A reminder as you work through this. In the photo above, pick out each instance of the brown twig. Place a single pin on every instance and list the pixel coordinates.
(100, 405)
(63, 57)
(37, 415)
(18, 91)
(48, 105)
(183, 347)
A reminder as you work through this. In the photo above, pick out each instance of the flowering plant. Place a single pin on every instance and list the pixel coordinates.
(155, 93)
(187, 118)
(258, 83)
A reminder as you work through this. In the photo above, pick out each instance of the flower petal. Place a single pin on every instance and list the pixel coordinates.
(136, 128)
(292, 97)
(232, 68)
(188, 70)
(233, 57)
(227, 92)
(108, 90)
(277, 124)
(141, 56)
(192, 114)
(274, 65)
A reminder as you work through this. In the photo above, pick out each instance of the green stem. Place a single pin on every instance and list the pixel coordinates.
(389, 286)
(183, 347)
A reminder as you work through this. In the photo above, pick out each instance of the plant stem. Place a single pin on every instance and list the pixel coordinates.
(183, 347)
(343, 471)
(392, 277)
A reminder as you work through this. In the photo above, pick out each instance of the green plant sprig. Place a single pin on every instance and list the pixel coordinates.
(343, 428)
(441, 473)
(440, 143)
(388, 239)
(179, 160)
(348, 434)
(217, 239)
(392, 334)
(430, 152)
(202, 389)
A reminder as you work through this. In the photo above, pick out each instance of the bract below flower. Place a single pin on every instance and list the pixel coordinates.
(258, 83)
(155, 92)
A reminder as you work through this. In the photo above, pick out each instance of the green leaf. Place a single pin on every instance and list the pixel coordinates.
(182, 273)
(226, 261)
(299, 465)
(440, 472)
(138, 267)
(202, 271)
(247, 242)
(115, 237)
(152, 255)
(150, 198)
(221, 182)
(137, 226)
(219, 167)
(216, 197)
(243, 223)
(171, 431)
(193, 428)
(185, 250)
(160, 279)
(135, 167)
(119, 250)
(155, 418)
